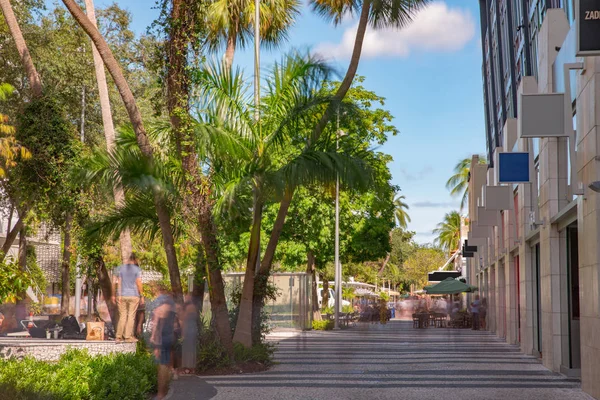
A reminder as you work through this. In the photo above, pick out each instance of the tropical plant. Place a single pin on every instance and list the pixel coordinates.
(448, 232)
(400, 212)
(109, 130)
(147, 151)
(379, 14)
(293, 94)
(229, 24)
(458, 184)
(13, 281)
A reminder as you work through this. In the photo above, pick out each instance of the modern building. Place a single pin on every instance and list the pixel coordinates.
(537, 260)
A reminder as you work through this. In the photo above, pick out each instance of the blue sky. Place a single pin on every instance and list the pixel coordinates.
(430, 75)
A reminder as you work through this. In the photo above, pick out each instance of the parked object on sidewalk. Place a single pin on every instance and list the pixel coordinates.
(95, 330)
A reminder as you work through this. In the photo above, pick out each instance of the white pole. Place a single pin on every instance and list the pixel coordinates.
(257, 59)
(338, 270)
(257, 86)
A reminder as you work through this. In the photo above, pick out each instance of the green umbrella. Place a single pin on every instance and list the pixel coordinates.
(449, 286)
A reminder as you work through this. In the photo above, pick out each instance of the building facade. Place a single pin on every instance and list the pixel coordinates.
(538, 262)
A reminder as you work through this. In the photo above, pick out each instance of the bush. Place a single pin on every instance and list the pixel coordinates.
(79, 376)
(325, 325)
(348, 309)
(261, 353)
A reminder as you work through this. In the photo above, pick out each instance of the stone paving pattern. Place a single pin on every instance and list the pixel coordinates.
(392, 361)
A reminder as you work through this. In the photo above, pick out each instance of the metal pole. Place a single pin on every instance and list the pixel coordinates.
(338, 270)
(78, 281)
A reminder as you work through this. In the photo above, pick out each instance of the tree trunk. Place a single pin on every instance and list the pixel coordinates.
(350, 72)
(109, 129)
(267, 261)
(199, 279)
(262, 277)
(230, 50)
(243, 329)
(216, 287)
(106, 286)
(11, 237)
(135, 117)
(65, 267)
(15, 31)
(197, 202)
(325, 297)
(311, 270)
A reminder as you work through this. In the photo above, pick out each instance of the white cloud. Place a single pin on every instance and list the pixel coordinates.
(435, 28)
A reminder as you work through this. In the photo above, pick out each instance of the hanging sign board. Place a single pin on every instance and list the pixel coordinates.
(542, 115)
(513, 168)
(587, 20)
(498, 198)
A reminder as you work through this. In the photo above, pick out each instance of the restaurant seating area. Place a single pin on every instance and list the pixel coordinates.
(433, 319)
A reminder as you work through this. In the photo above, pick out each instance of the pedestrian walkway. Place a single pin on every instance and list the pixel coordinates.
(392, 361)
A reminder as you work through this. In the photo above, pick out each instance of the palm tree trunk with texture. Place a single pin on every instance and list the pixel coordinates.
(109, 129)
(135, 117)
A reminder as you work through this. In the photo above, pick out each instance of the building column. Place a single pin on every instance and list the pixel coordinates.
(588, 139)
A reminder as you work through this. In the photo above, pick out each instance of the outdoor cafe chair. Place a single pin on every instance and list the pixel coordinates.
(415, 318)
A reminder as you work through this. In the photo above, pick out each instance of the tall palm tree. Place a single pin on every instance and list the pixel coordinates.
(376, 13)
(458, 184)
(135, 117)
(109, 129)
(400, 212)
(229, 23)
(448, 232)
(290, 100)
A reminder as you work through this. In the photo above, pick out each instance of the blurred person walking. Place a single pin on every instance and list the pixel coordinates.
(190, 334)
(483, 314)
(475, 306)
(128, 292)
(163, 339)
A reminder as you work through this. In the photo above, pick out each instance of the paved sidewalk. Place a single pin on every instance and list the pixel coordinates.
(392, 361)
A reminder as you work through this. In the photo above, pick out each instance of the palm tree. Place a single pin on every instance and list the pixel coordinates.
(290, 100)
(15, 31)
(135, 117)
(377, 14)
(448, 232)
(109, 129)
(458, 184)
(400, 212)
(229, 23)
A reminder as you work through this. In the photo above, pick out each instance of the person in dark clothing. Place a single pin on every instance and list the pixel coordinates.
(163, 339)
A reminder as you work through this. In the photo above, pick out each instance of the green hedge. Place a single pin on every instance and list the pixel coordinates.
(79, 376)
(324, 325)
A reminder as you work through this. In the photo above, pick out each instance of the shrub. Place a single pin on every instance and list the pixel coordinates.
(347, 309)
(79, 376)
(260, 353)
(325, 325)
(210, 352)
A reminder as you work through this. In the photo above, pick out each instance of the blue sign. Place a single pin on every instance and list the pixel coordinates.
(513, 168)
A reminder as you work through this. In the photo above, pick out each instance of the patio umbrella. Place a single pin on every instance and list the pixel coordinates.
(449, 286)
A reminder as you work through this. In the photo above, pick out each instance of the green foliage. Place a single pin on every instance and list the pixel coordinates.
(327, 310)
(448, 232)
(347, 309)
(79, 376)
(13, 281)
(260, 353)
(422, 261)
(325, 325)
(210, 352)
(458, 184)
(35, 272)
(383, 296)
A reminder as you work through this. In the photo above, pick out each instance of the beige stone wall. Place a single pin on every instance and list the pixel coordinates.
(511, 315)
